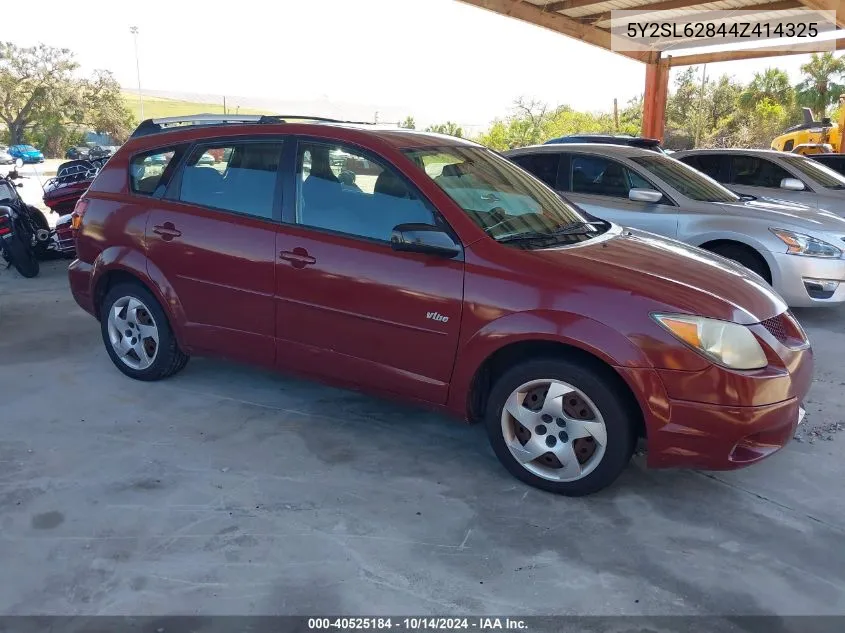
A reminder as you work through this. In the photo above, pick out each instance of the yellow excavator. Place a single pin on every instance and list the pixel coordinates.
(814, 137)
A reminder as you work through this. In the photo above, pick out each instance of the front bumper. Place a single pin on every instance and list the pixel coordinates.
(793, 274)
(738, 419)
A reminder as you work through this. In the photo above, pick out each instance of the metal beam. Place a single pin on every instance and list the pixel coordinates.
(828, 5)
(727, 56)
(556, 22)
(780, 5)
(563, 5)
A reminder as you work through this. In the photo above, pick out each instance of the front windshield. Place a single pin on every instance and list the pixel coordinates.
(498, 196)
(684, 179)
(6, 192)
(823, 175)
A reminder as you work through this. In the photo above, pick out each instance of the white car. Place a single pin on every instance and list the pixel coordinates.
(5, 157)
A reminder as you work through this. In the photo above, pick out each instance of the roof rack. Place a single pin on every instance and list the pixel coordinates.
(155, 126)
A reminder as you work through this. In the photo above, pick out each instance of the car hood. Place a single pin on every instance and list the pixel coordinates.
(782, 212)
(668, 274)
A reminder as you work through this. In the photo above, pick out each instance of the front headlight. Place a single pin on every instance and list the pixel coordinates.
(800, 244)
(729, 344)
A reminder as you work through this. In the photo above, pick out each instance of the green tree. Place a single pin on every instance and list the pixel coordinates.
(773, 84)
(450, 127)
(409, 123)
(819, 89)
(42, 97)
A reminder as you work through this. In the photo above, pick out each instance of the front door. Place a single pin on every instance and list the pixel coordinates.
(212, 240)
(756, 176)
(350, 308)
(601, 185)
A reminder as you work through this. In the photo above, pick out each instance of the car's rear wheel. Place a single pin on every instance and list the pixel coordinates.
(137, 334)
(560, 426)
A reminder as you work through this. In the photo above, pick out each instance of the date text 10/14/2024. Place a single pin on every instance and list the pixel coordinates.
(416, 624)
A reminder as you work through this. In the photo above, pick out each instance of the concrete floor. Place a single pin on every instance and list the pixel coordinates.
(227, 490)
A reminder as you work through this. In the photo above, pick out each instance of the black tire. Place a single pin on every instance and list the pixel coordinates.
(169, 359)
(745, 256)
(619, 419)
(22, 257)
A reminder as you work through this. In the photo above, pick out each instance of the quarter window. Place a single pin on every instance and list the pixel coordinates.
(600, 176)
(345, 191)
(147, 169)
(751, 171)
(237, 177)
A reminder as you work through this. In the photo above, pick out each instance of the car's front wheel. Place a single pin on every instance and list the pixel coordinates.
(137, 334)
(560, 426)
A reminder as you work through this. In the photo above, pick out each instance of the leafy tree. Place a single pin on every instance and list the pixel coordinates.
(772, 84)
(409, 123)
(41, 97)
(451, 128)
(819, 89)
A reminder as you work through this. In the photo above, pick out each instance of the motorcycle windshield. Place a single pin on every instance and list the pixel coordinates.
(7, 193)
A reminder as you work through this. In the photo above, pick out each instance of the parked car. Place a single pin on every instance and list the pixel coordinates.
(27, 153)
(773, 175)
(797, 249)
(833, 161)
(98, 152)
(452, 278)
(609, 139)
(77, 153)
(206, 159)
(5, 157)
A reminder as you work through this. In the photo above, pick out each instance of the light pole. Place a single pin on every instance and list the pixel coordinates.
(134, 31)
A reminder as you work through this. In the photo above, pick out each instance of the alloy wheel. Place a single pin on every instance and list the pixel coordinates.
(554, 430)
(133, 333)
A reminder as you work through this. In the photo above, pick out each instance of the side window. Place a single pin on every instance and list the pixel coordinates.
(787, 147)
(342, 190)
(600, 176)
(709, 164)
(752, 171)
(237, 177)
(146, 170)
(544, 166)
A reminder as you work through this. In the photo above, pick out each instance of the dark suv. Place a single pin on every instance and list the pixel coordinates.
(429, 268)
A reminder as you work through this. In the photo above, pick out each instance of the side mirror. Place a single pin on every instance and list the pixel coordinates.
(18, 163)
(645, 195)
(423, 238)
(792, 184)
(18, 185)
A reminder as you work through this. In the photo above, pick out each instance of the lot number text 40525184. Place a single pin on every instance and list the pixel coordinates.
(416, 624)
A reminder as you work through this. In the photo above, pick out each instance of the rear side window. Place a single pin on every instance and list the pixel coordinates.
(543, 165)
(237, 177)
(147, 169)
(710, 164)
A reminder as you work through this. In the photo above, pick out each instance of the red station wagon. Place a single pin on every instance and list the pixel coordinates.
(431, 269)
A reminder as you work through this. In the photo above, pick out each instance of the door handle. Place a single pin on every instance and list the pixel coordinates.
(298, 257)
(167, 231)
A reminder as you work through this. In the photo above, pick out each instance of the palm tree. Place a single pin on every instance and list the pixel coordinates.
(772, 84)
(819, 89)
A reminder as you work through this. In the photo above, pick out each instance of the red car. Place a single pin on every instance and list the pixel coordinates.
(441, 274)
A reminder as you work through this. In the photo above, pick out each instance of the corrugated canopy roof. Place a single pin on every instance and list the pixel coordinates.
(590, 21)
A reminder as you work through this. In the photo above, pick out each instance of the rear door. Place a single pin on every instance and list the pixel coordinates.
(211, 243)
(350, 308)
(601, 185)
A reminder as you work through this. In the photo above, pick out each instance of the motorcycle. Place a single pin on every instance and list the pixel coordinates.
(24, 231)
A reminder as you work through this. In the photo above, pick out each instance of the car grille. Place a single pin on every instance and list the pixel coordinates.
(776, 328)
(785, 329)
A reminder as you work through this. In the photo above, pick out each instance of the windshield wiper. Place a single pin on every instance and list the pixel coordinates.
(574, 228)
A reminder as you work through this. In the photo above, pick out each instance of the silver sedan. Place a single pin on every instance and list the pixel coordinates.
(798, 250)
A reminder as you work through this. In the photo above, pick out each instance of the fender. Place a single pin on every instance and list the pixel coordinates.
(571, 329)
(136, 264)
(746, 240)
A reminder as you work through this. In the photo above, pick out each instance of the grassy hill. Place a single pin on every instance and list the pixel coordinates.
(155, 107)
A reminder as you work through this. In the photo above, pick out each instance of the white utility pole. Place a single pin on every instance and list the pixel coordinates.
(134, 31)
